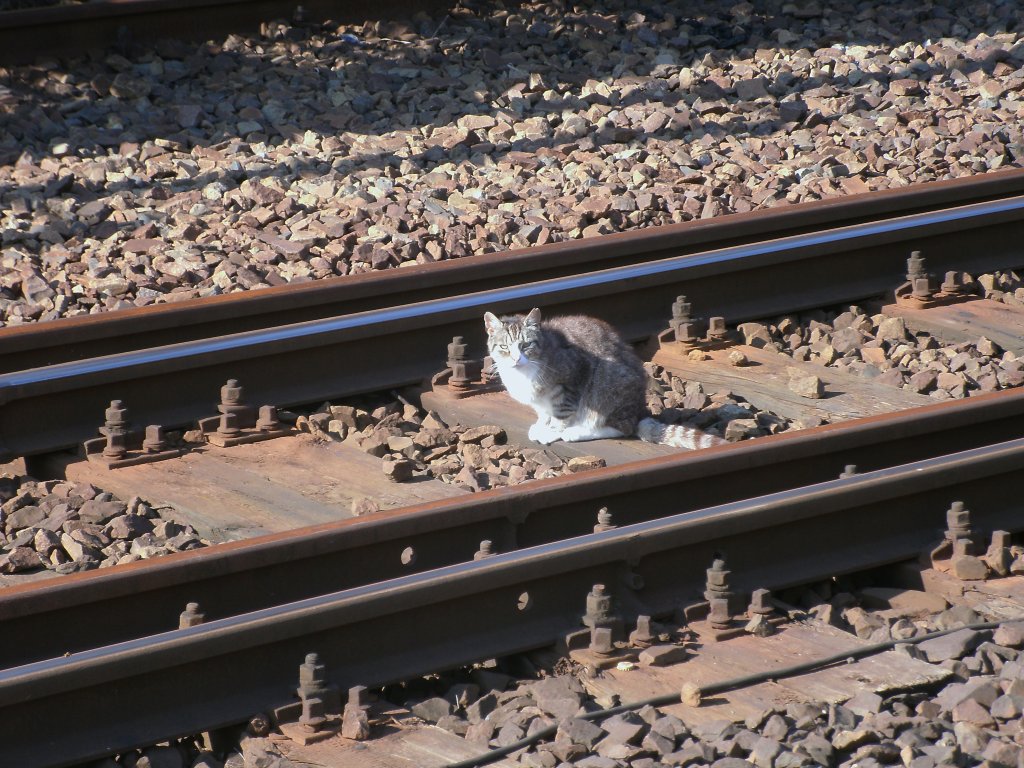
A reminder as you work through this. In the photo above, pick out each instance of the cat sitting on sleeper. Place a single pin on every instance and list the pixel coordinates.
(580, 377)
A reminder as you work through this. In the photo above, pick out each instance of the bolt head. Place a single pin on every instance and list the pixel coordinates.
(231, 392)
(259, 724)
(760, 601)
(957, 516)
(686, 331)
(116, 413)
(357, 695)
(681, 308)
(601, 640)
(457, 349)
(719, 612)
(312, 671)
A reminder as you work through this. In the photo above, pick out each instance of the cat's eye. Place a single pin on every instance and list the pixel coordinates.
(528, 346)
(503, 347)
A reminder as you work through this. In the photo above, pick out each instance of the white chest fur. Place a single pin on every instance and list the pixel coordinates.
(518, 380)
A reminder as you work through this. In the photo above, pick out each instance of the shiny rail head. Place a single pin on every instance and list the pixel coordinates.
(468, 306)
(508, 569)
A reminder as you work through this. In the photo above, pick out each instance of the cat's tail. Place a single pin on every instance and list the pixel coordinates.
(651, 430)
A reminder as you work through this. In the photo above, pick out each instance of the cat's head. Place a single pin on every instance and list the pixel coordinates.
(513, 340)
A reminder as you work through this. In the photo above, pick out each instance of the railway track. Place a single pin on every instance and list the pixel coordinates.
(56, 406)
(44, 344)
(607, 575)
(253, 575)
(491, 607)
(351, 590)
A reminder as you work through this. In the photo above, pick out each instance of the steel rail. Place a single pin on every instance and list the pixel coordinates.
(82, 611)
(68, 30)
(41, 344)
(180, 682)
(57, 406)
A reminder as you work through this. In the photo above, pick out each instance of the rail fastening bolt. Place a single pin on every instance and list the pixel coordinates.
(312, 675)
(681, 309)
(716, 328)
(958, 520)
(117, 445)
(486, 550)
(154, 441)
(642, 635)
(191, 616)
(717, 584)
(116, 416)
(115, 427)
(718, 615)
(915, 267)
(604, 521)
(599, 606)
(231, 393)
(952, 283)
(314, 713)
(457, 363)
(601, 641)
(358, 696)
(682, 324)
(228, 426)
(268, 420)
(918, 277)
(761, 602)
(259, 724)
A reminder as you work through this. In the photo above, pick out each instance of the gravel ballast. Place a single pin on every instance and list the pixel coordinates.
(184, 170)
(866, 342)
(972, 719)
(68, 527)
(413, 444)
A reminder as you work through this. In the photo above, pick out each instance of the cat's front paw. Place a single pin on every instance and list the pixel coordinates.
(543, 434)
(575, 433)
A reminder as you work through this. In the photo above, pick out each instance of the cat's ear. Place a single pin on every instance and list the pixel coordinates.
(491, 323)
(533, 318)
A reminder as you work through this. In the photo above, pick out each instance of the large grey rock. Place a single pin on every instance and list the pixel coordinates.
(24, 517)
(952, 646)
(559, 696)
(816, 747)
(626, 728)
(581, 732)
(21, 560)
(101, 512)
(128, 526)
(432, 710)
(764, 752)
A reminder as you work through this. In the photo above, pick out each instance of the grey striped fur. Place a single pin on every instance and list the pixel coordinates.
(583, 381)
(650, 430)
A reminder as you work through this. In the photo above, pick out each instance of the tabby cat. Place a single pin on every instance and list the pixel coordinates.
(581, 378)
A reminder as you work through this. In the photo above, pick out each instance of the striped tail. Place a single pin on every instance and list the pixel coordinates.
(651, 430)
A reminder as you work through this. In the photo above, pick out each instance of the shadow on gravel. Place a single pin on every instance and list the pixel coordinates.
(351, 88)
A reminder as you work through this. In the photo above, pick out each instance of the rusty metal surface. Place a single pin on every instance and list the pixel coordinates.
(200, 677)
(58, 406)
(77, 338)
(86, 610)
